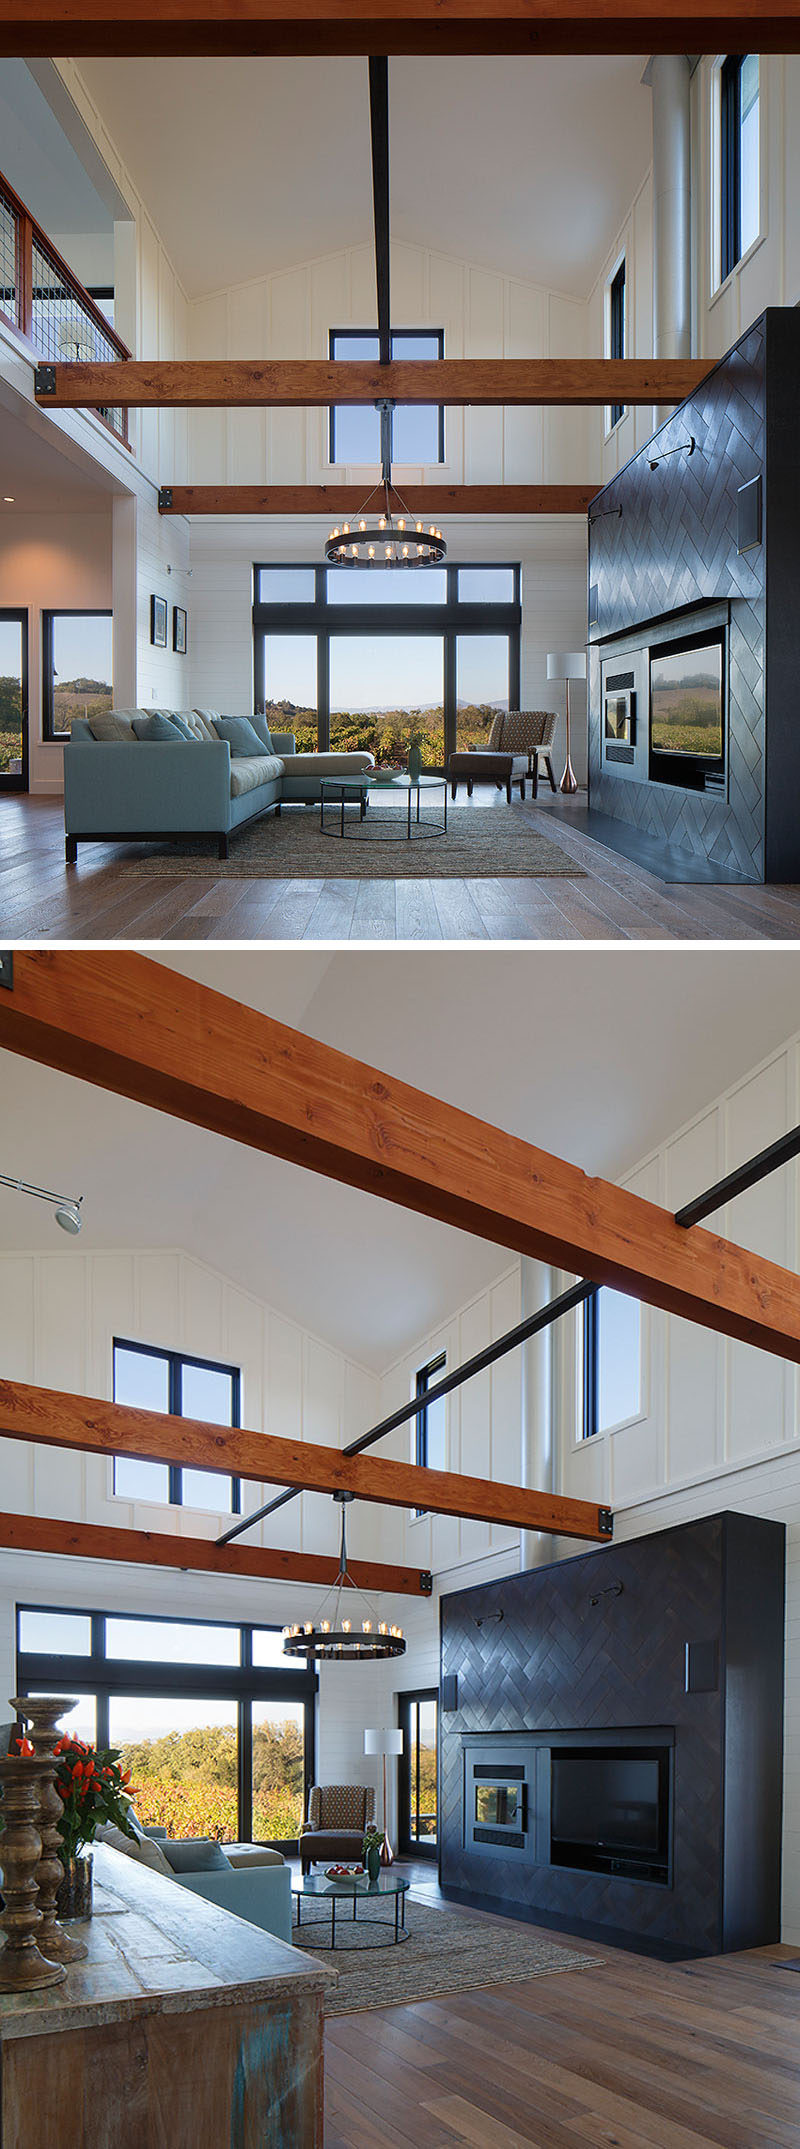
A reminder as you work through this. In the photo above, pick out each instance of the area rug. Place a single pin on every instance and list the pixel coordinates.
(484, 843)
(447, 1951)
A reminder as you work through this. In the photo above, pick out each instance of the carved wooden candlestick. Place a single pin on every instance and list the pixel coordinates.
(41, 1712)
(22, 1966)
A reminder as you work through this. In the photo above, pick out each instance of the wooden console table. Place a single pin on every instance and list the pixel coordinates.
(184, 2026)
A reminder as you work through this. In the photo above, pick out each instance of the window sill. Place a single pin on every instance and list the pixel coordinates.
(730, 279)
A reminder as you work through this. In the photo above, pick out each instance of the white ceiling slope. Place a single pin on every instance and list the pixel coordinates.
(527, 166)
(595, 1056)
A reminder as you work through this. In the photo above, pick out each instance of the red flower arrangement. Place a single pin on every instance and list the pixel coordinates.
(92, 1788)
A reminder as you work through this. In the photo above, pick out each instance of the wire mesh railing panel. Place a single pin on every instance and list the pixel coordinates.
(8, 258)
(64, 329)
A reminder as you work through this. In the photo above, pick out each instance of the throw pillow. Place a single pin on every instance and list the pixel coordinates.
(201, 725)
(112, 724)
(196, 1854)
(157, 729)
(180, 722)
(143, 1851)
(243, 741)
(262, 730)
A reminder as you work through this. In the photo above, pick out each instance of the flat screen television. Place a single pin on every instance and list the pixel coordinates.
(609, 1810)
(687, 711)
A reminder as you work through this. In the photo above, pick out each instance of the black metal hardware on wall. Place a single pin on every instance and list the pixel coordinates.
(164, 499)
(615, 1589)
(684, 447)
(44, 380)
(426, 1582)
(7, 969)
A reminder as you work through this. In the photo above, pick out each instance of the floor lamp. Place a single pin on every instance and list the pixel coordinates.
(567, 664)
(384, 1742)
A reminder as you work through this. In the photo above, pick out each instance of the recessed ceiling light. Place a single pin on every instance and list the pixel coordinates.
(8, 499)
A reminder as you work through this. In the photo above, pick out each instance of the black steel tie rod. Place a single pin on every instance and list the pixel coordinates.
(379, 128)
(736, 1182)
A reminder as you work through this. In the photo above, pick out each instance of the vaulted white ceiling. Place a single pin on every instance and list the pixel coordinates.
(525, 165)
(597, 1056)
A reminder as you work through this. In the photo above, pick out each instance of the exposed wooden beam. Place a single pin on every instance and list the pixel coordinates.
(345, 500)
(53, 1419)
(151, 1548)
(129, 1024)
(310, 383)
(280, 27)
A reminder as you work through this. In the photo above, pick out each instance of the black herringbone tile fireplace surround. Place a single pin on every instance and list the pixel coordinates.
(669, 561)
(673, 1641)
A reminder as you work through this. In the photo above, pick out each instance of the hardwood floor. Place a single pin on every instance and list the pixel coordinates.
(636, 2054)
(96, 900)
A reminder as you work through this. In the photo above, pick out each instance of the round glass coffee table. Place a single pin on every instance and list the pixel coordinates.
(395, 827)
(355, 1890)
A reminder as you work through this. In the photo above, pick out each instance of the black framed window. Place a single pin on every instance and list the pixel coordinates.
(77, 669)
(183, 1387)
(13, 700)
(612, 1361)
(417, 429)
(739, 136)
(378, 657)
(430, 1444)
(419, 1771)
(218, 1727)
(616, 329)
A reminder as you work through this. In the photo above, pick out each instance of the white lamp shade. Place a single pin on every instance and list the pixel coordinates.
(566, 664)
(383, 1742)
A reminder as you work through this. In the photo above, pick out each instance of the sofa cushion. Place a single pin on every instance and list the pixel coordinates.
(248, 774)
(242, 739)
(113, 724)
(262, 730)
(196, 1854)
(157, 728)
(142, 1849)
(173, 716)
(199, 724)
(329, 764)
(248, 1854)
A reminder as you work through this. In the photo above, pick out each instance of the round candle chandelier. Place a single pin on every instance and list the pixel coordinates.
(346, 1640)
(383, 537)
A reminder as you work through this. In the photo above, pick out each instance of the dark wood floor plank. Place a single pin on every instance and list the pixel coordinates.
(101, 899)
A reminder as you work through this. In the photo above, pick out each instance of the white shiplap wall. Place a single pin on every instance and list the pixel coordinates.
(483, 315)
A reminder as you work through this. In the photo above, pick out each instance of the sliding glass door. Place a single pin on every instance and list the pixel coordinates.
(13, 701)
(419, 1773)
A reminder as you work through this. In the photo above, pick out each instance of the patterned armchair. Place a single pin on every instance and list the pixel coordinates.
(338, 1814)
(525, 731)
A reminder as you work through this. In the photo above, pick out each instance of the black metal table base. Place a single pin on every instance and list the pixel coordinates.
(398, 1921)
(415, 829)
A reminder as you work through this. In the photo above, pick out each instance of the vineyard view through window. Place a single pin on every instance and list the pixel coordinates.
(215, 1726)
(379, 659)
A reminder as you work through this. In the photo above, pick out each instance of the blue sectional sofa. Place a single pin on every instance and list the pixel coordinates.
(123, 788)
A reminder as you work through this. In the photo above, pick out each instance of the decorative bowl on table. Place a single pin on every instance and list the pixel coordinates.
(387, 774)
(344, 1872)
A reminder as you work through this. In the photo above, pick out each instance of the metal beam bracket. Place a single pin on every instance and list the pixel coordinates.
(7, 969)
(605, 1521)
(164, 499)
(44, 380)
(426, 1582)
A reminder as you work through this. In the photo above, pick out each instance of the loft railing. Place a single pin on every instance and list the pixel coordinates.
(40, 297)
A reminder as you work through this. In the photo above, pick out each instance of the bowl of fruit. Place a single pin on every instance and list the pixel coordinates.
(344, 1872)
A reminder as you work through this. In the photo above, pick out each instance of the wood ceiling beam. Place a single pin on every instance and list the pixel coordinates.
(328, 500)
(196, 1555)
(30, 28)
(132, 1025)
(53, 1419)
(316, 383)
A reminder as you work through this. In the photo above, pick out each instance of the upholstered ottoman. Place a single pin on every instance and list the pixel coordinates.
(478, 767)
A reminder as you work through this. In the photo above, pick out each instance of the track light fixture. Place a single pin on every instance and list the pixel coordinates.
(68, 1212)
